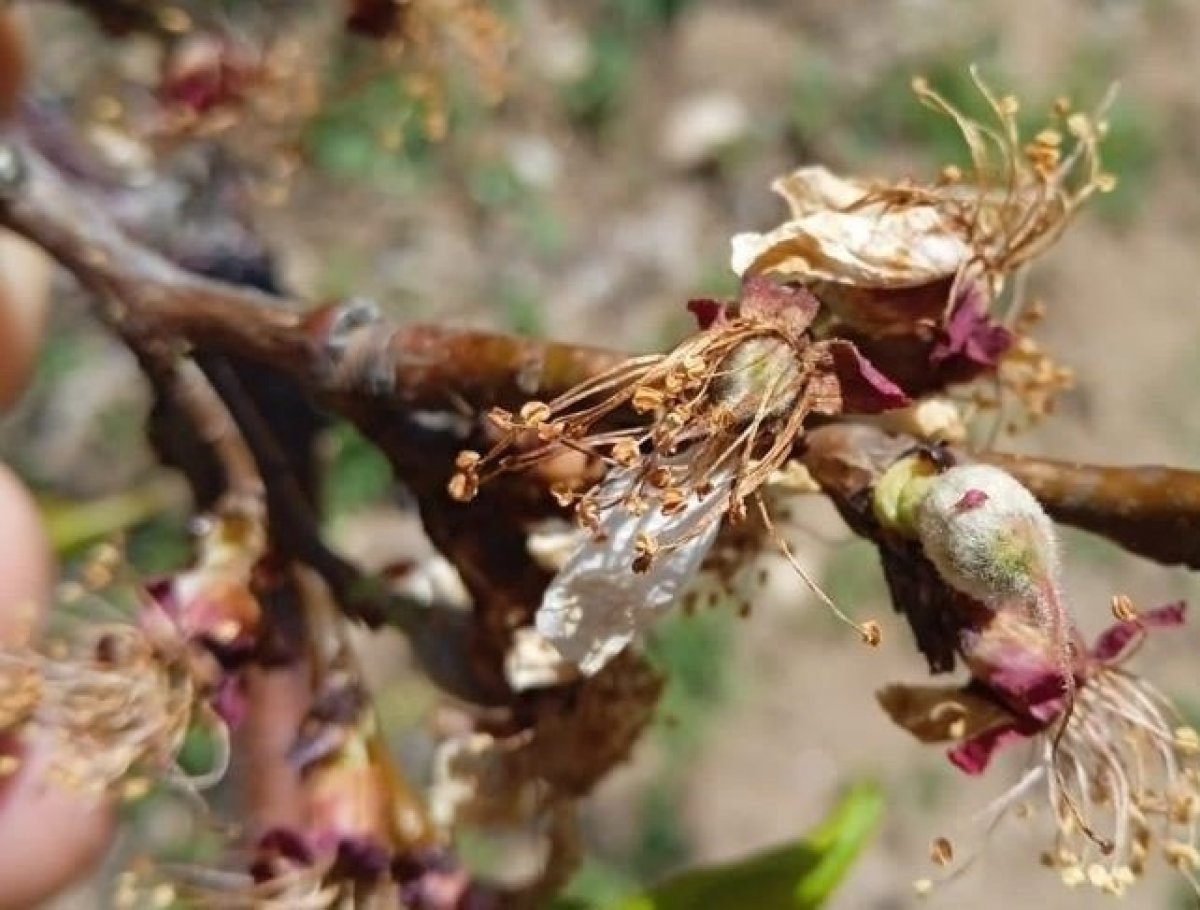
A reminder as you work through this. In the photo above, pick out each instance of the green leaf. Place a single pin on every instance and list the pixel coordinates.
(798, 876)
(73, 525)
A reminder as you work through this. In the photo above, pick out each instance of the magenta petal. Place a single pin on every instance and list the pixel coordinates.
(707, 311)
(971, 342)
(230, 701)
(1114, 641)
(973, 755)
(1166, 617)
(865, 390)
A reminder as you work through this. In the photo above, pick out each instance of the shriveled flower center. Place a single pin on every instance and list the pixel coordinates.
(760, 377)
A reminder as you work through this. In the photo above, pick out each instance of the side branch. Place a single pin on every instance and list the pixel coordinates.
(333, 351)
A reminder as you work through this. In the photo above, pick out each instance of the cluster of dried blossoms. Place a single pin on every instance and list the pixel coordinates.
(941, 262)
(112, 696)
(871, 293)
(254, 80)
(687, 439)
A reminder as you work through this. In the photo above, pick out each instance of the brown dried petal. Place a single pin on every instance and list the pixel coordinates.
(938, 714)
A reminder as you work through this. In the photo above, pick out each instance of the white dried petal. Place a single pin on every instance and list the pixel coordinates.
(898, 248)
(596, 604)
(552, 546)
(817, 189)
(534, 663)
(933, 419)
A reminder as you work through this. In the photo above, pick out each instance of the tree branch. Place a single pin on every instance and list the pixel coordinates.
(374, 373)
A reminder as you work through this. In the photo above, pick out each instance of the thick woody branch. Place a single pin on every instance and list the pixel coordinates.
(333, 351)
(373, 372)
(1150, 510)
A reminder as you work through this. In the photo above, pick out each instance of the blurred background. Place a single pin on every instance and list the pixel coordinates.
(632, 139)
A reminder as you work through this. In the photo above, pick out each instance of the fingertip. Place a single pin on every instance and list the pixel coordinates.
(26, 572)
(52, 837)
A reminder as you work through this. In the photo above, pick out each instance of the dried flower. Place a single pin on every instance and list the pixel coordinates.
(722, 412)
(883, 255)
(212, 603)
(109, 703)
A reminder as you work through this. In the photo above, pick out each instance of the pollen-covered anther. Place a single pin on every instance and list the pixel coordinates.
(660, 477)
(550, 431)
(672, 501)
(647, 399)
(1123, 609)
(1181, 855)
(501, 419)
(951, 174)
(587, 514)
(636, 505)
(463, 486)
(534, 413)
(871, 633)
(941, 852)
(563, 494)
(695, 369)
(466, 460)
(626, 453)
(1187, 740)
(1184, 808)
(1073, 876)
(645, 549)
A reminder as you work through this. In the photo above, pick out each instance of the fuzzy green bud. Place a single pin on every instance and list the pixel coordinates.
(988, 536)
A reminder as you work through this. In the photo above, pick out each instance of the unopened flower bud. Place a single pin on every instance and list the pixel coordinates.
(988, 536)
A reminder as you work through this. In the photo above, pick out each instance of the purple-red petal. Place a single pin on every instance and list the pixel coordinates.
(973, 755)
(865, 390)
(707, 311)
(971, 341)
(230, 700)
(1115, 641)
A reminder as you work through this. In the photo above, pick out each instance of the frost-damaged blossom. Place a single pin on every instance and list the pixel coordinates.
(892, 238)
(108, 702)
(360, 835)
(987, 537)
(115, 698)
(719, 415)
(930, 260)
(212, 603)
(1118, 767)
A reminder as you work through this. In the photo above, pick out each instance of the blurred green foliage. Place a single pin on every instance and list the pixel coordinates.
(621, 28)
(886, 114)
(358, 473)
(798, 876)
